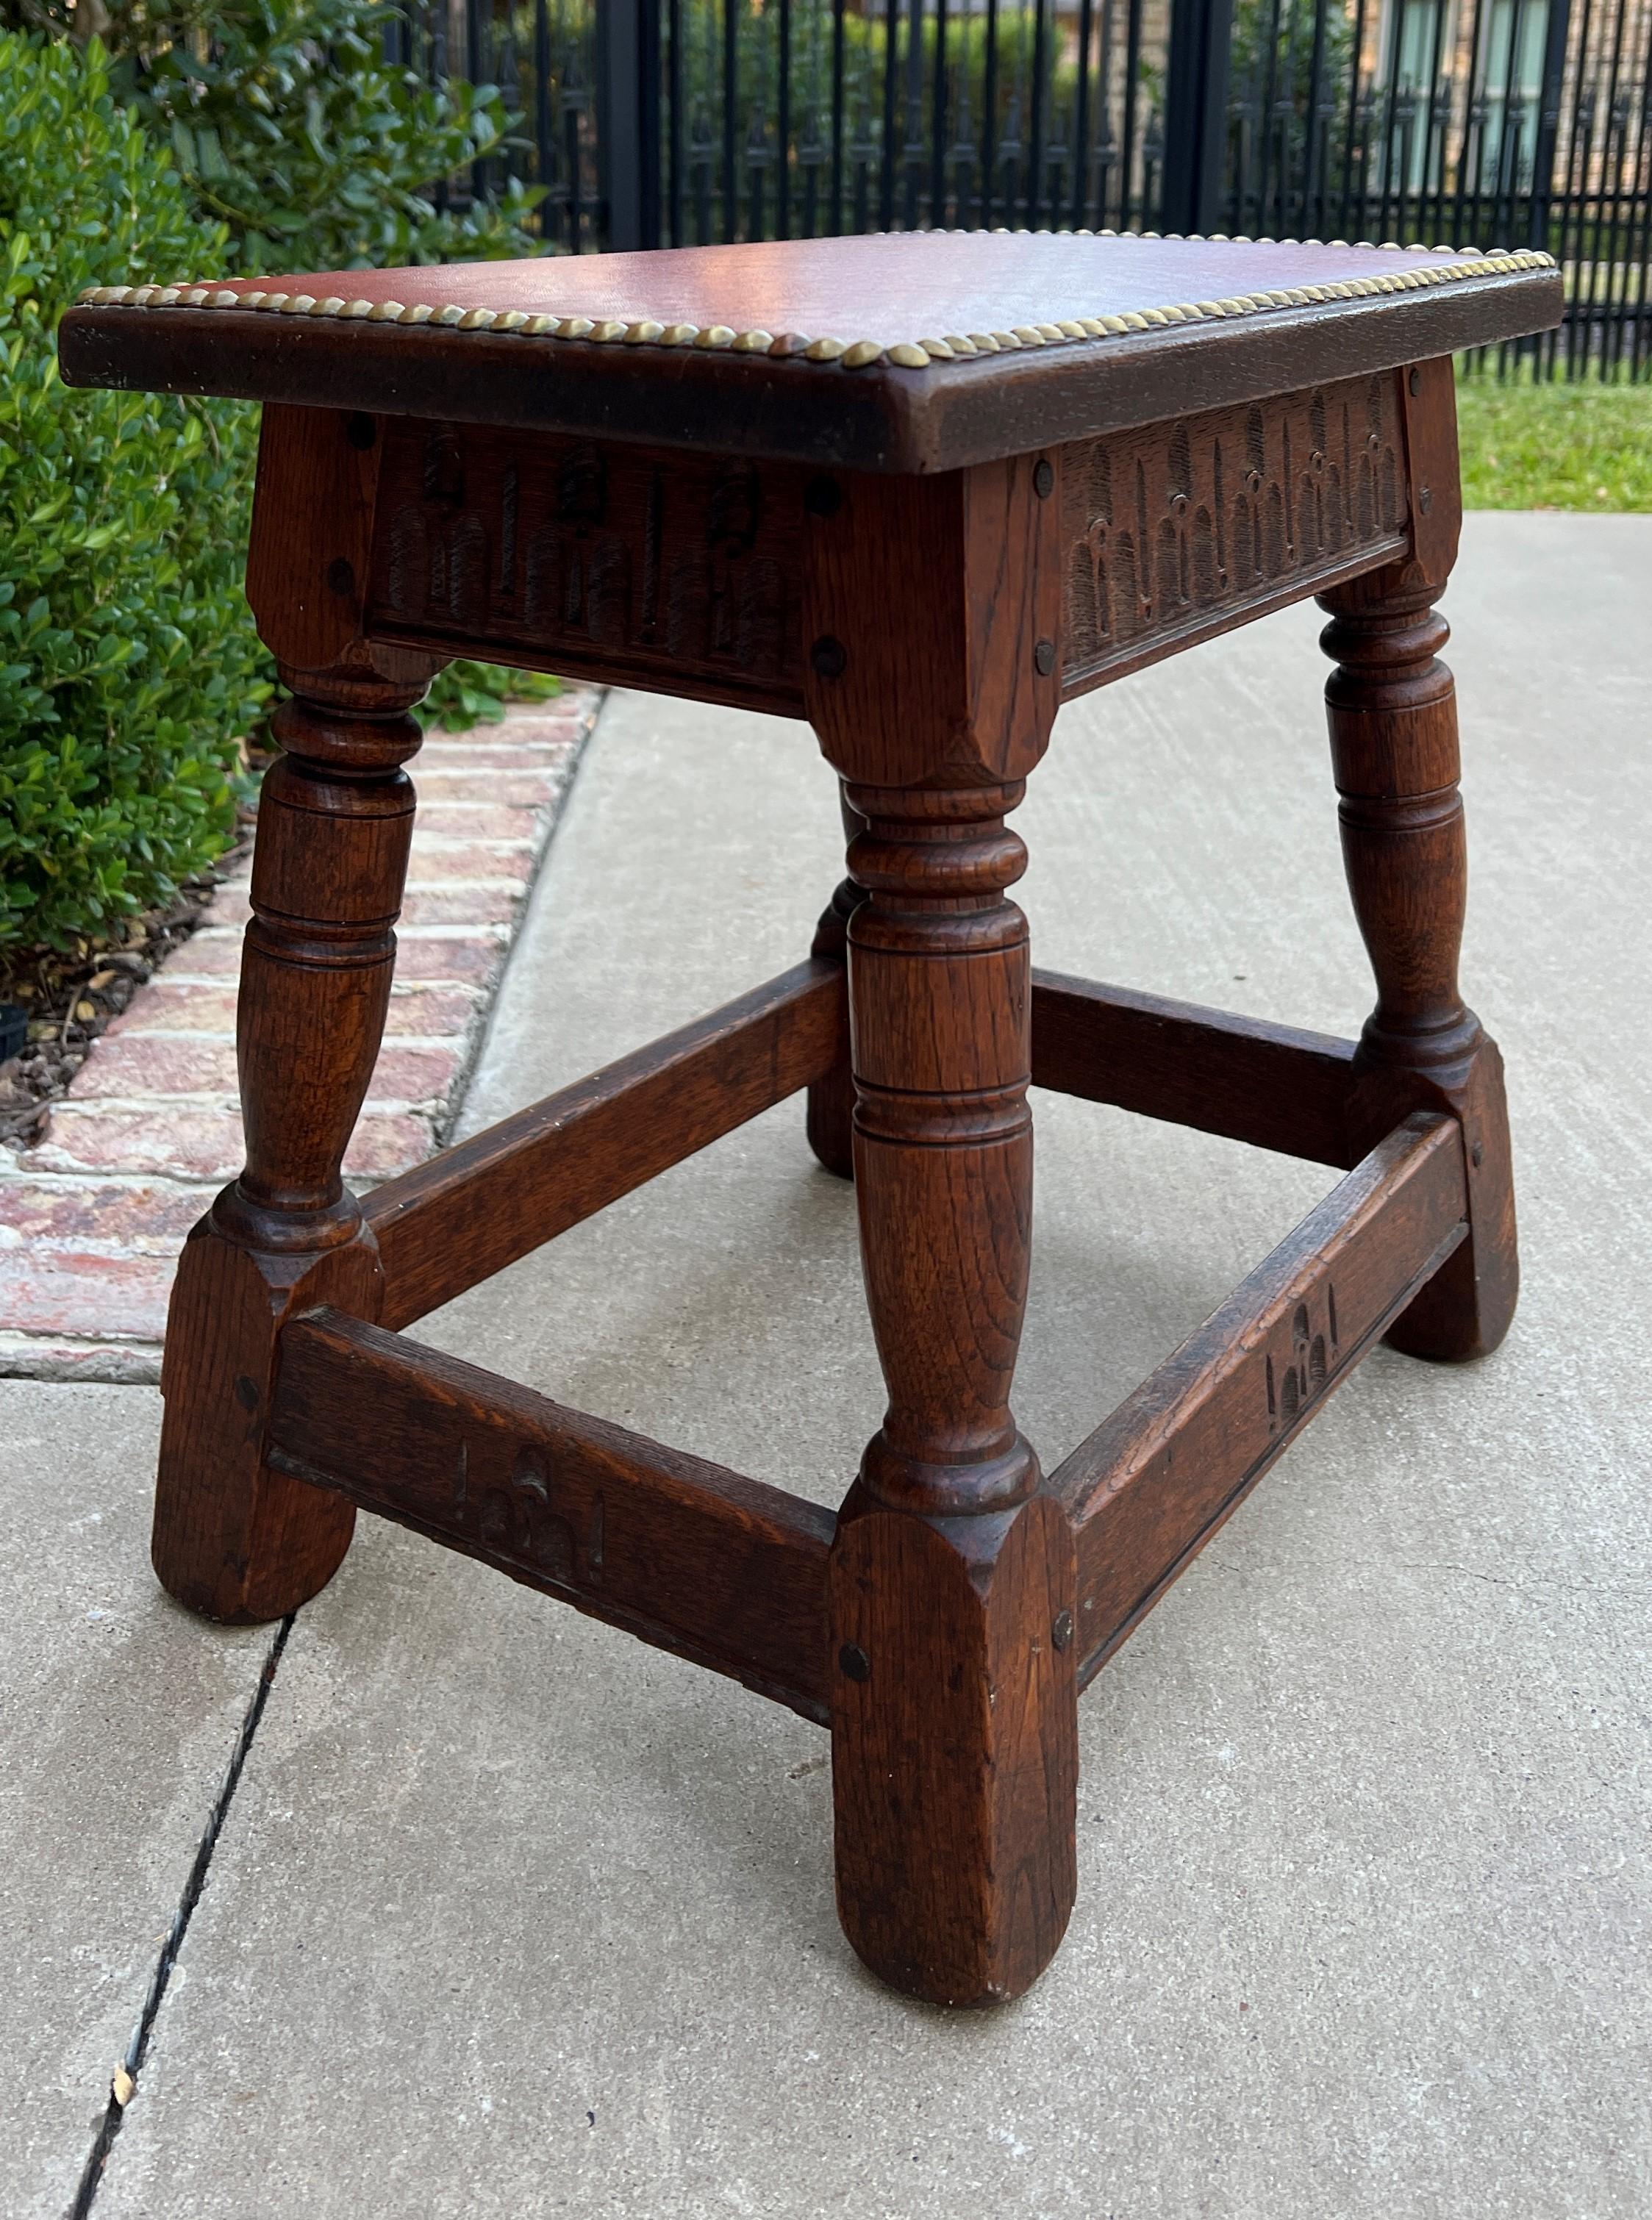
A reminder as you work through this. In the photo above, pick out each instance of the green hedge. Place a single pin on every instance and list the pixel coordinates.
(267, 134)
(288, 125)
(128, 666)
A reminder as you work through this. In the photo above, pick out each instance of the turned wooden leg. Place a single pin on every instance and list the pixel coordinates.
(953, 1580)
(1393, 737)
(233, 1538)
(828, 1119)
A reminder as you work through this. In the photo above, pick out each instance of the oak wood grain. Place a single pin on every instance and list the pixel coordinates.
(1151, 1485)
(1275, 1087)
(1391, 706)
(954, 1721)
(639, 566)
(233, 1538)
(960, 1705)
(686, 1555)
(1179, 530)
(483, 1204)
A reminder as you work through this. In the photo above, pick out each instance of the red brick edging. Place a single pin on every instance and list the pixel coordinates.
(92, 1218)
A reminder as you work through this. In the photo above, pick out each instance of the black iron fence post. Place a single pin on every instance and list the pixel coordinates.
(1195, 113)
(1549, 118)
(628, 120)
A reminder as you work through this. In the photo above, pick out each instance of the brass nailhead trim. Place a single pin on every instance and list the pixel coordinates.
(858, 354)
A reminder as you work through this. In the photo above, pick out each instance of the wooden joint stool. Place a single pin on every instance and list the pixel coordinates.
(1057, 459)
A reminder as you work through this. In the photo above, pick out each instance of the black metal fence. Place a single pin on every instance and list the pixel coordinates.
(1469, 122)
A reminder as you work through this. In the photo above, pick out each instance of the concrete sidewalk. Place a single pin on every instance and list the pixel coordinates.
(509, 1916)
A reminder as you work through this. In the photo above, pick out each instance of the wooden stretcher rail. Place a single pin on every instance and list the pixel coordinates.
(495, 1198)
(723, 1570)
(1151, 1485)
(1273, 1086)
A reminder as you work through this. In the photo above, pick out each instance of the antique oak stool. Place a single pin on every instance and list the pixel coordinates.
(918, 489)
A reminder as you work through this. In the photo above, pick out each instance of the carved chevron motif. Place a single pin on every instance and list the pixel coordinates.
(575, 554)
(523, 1517)
(1192, 525)
(1297, 1372)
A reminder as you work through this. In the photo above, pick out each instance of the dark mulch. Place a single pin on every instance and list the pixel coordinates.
(69, 999)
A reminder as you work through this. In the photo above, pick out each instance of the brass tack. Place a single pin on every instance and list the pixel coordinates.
(908, 357)
(1070, 328)
(824, 350)
(333, 306)
(984, 342)
(789, 343)
(679, 334)
(862, 353)
(573, 327)
(1028, 334)
(958, 344)
(1007, 341)
(604, 334)
(1155, 316)
(938, 350)
(357, 309)
(273, 303)
(1053, 332)
(715, 336)
(1133, 321)
(386, 312)
(644, 334)
(450, 313)
(754, 342)
(196, 297)
(511, 320)
(542, 327)
(419, 313)
(1092, 327)
(166, 298)
(478, 319)
(298, 304)
(1114, 324)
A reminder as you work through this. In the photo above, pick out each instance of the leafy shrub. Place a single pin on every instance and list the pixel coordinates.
(128, 665)
(464, 694)
(290, 126)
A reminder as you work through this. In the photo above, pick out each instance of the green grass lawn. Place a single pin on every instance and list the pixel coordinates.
(1525, 445)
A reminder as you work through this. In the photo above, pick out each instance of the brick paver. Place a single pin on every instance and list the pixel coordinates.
(91, 1219)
